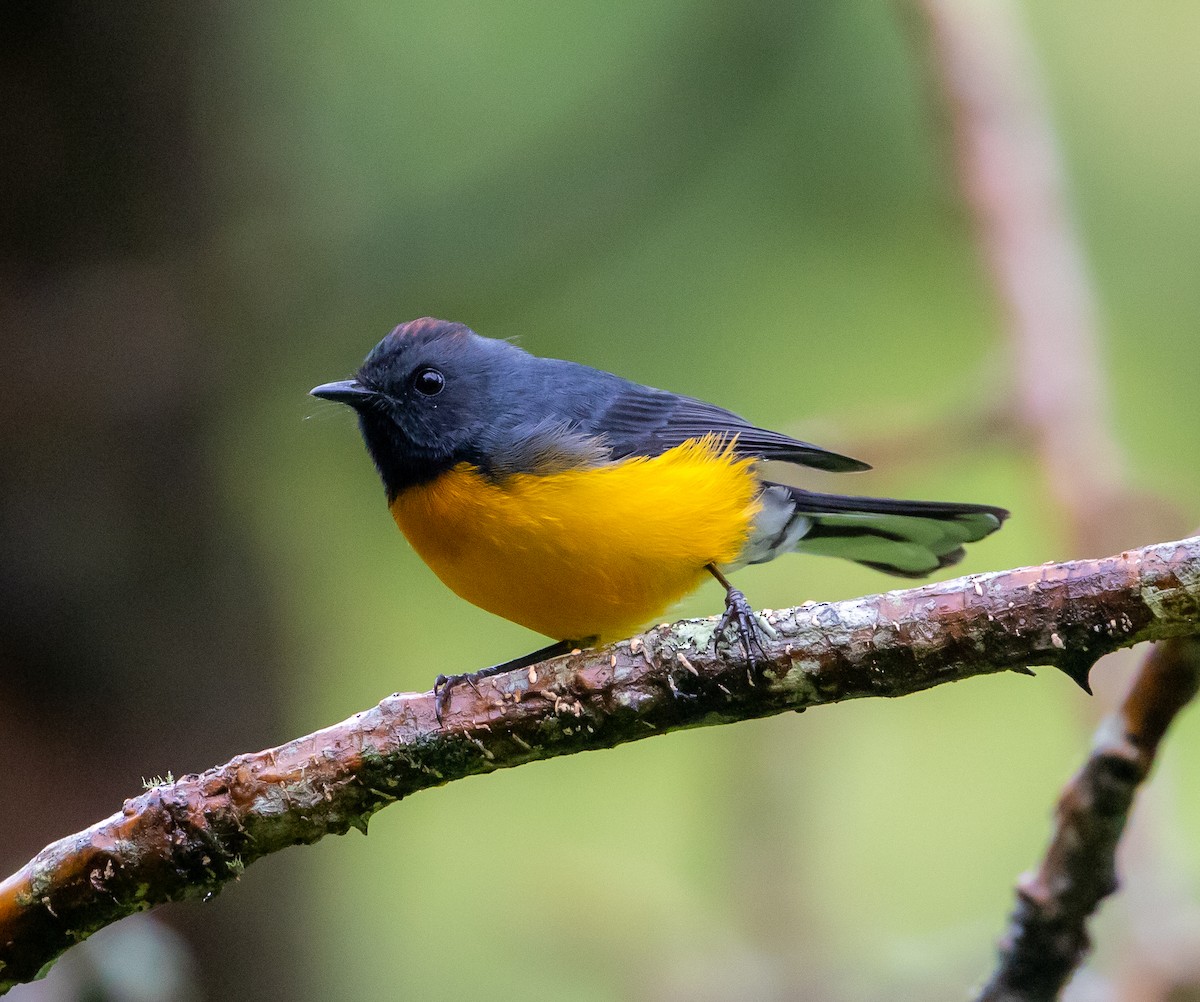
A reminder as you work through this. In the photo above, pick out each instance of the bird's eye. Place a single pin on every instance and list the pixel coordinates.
(429, 381)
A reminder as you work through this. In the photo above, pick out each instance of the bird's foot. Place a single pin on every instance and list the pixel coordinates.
(748, 634)
(444, 683)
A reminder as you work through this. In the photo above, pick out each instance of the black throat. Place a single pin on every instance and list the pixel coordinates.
(400, 464)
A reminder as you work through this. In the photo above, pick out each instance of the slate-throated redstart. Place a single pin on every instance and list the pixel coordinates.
(582, 505)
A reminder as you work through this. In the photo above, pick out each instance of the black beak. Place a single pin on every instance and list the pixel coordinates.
(346, 391)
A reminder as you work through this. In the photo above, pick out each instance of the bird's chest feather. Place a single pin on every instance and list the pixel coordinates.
(589, 552)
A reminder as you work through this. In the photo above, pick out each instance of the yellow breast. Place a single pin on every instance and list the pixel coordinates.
(581, 553)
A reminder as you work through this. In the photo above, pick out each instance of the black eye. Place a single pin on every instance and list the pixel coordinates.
(429, 382)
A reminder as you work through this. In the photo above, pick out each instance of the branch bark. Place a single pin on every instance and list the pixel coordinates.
(188, 838)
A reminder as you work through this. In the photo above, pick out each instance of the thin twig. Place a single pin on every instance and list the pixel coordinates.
(1013, 184)
(1012, 181)
(188, 838)
(1047, 937)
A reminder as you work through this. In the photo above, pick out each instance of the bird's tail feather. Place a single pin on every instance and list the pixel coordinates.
(906, 538)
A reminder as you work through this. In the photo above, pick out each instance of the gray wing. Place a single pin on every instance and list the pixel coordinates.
(641, 421)
(570, 415)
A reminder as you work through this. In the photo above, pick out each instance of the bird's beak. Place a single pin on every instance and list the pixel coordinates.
(345, 391)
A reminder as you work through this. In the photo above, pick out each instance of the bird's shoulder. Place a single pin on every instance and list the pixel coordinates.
(564, 413)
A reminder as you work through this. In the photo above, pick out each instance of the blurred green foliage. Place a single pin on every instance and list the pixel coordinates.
(751, 204)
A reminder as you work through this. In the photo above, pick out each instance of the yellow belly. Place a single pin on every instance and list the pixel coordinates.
(596, 552)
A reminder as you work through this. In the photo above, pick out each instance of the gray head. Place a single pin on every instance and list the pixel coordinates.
(426, 397)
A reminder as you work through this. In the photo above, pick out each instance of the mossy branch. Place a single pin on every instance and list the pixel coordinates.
(187, 838)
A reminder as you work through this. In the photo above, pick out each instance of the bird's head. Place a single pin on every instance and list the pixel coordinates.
(424, 396)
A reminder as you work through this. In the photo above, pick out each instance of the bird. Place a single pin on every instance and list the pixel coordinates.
(583, 505)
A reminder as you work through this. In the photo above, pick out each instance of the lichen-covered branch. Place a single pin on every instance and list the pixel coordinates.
(188, 838)
(1047, 936)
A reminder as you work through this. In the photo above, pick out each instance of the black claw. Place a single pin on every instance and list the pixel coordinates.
(740, 615)
(441, 693)
(444, 683)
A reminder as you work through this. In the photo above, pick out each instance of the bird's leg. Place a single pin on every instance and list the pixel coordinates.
(740, 615)
(444, 683)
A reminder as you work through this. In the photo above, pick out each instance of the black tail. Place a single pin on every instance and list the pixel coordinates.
(908, 538)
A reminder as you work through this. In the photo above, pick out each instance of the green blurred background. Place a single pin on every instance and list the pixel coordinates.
(213, 207)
